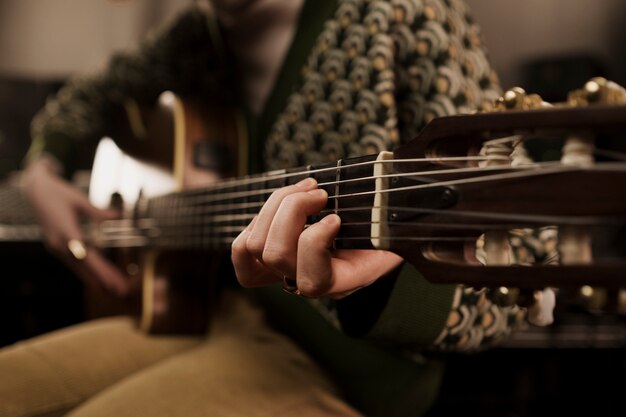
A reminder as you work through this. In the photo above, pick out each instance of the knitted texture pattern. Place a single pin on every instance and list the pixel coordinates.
(378, 73)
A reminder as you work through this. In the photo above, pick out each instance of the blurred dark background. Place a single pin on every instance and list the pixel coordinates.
(549, 47)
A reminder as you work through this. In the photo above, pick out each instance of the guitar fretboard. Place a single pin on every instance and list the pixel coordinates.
(212, 217)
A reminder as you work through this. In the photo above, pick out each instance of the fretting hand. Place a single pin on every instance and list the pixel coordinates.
(60, 207)
(276, 246)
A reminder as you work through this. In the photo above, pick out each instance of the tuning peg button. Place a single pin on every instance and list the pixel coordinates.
(504, 296)
(541, 312)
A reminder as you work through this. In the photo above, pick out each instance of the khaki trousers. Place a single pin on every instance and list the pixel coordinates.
(107, 368)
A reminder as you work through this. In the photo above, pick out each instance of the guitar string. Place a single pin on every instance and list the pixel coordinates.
(147, 224)
(216, 236)
(224, 242)
(608, 153)
(517, 172)
(282, 174)
(180, 232)
(217, 228)
(230, 183)
(602, 152)
(272, 176)
(454, 182)
(228, 196)
(524, 173)
(482, 179)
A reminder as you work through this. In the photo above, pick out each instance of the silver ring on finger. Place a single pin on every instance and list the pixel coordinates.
(290, 286)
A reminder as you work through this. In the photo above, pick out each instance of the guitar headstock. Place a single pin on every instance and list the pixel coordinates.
(518, 197)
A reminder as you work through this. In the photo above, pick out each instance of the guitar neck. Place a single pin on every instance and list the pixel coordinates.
(212, 217)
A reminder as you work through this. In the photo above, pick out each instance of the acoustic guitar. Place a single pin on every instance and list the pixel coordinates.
(465, 179)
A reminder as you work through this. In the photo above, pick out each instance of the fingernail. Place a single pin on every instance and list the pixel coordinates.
(318, 192)
(307, 182)
(331, 219)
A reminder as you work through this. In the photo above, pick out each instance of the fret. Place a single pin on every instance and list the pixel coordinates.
(151, 210)
(327, 178)
(159, 214)
(179, 221)
(189, 211)
(206, 226)
(169, 218)
(234, 218)
(257, 197)
(175, 222)
(355, 211)
(247, 207)
(211, 218)
(211, 208)
(161, 211)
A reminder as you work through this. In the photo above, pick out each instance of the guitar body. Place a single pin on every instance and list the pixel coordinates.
(187, 145)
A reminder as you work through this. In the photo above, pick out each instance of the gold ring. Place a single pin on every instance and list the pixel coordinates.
(291, 286)
(77, 248)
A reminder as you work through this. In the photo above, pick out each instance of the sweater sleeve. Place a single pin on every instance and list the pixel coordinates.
(405, 311)
(180, 57)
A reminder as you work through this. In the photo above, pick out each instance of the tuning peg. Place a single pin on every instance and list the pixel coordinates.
(593, 299)
(517, 98)
(504, 296)
(541, 311)
(598, 90)
(514, 97)
(593, 89)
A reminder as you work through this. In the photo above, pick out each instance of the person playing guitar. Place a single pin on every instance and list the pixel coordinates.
(318, 82)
